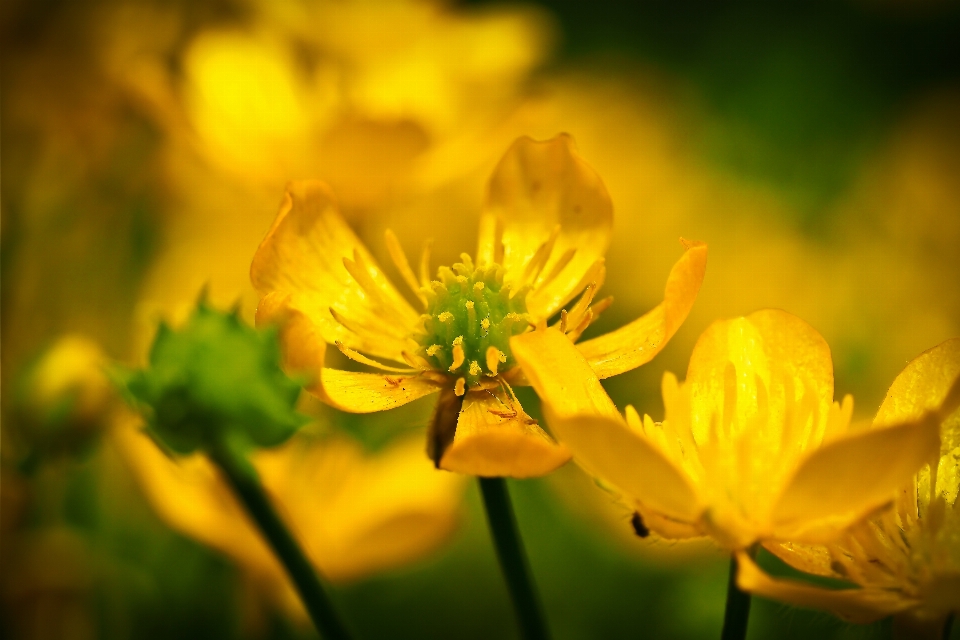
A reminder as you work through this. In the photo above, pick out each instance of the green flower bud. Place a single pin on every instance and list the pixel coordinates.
(216, 381)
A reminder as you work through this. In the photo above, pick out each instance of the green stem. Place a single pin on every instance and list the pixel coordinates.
(513, 560)
(947, 627)
(246, 484)
(737, 613)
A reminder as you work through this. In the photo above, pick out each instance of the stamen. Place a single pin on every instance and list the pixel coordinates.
(485, 324)
(494, 358)
(601, 306)
(415, 361)
(584, 323)
(377, 336)
(539, 259)
(558, 266)
(403, 266)
(563, 320)
(425, 262)
(477, 287)
(471, 316)
(461, 387)
(433, 349)
(446, 316)
(474, 368)
(458, 354)
(579, 309)
(356, 356)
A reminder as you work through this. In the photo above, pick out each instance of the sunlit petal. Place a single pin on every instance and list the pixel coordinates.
(768, 365)
(304, 350)
(855, 605)
(638, 342)
(311, 251)
(846, 479)
(560, 374)
(537, 187)
(608, 449)
(494, 437)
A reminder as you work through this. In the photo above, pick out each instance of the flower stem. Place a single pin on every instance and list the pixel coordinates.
(246, 484)
(737, 612)
(513, 560)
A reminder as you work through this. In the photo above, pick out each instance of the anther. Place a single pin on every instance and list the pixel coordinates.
(475, 368)
(446, 316)
(478, 287)
(433, 349)
(471, 316)
(494, 358)
(458, 355)
(461, 387)
(485, 323)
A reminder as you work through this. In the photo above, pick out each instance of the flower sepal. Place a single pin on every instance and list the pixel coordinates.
(213, 383)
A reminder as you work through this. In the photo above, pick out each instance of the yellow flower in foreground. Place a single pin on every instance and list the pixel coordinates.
(908, 559)
(543, 233)
(753, 448)
(354, 513)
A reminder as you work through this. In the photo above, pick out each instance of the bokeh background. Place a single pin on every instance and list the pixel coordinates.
(814, 146)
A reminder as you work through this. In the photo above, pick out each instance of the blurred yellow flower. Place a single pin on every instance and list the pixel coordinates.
(543, 233)
(753, 448)
(907, 561)
(354, 513)
(64, 397)
(376, 97)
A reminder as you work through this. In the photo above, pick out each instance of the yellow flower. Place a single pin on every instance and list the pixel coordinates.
(543, 233)
(753, 448)
(354, 513)
(65, 398)
(907, 560)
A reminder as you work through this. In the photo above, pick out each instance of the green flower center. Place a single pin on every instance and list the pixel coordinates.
(471, 316)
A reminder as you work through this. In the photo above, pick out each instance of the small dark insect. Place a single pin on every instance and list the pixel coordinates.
(638, 526)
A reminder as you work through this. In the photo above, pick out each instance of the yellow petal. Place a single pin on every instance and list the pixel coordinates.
(765, 366)
(583, 417)
(536, 187)
(809, 558)
(666, 527)
(356, 513)
(190, 495)
(304, 352)
(846, 479)
(637, 343)
(855, 605)
(560, 374)
(609, 449)
(495, 437)
(311, 252)
(931, 382)
(922, 385)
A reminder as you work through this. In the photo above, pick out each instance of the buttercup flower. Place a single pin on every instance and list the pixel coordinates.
(543, 233)
(907, 560)
(355, 513)
(753, 448)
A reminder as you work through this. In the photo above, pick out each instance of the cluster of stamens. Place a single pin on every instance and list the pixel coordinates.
(469, 320)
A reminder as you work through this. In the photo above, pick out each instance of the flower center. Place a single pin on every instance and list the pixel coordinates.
(471, 316)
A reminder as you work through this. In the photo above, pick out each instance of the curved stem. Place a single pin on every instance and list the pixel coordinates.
(246, 484)
(737, 612)
(513, 560)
